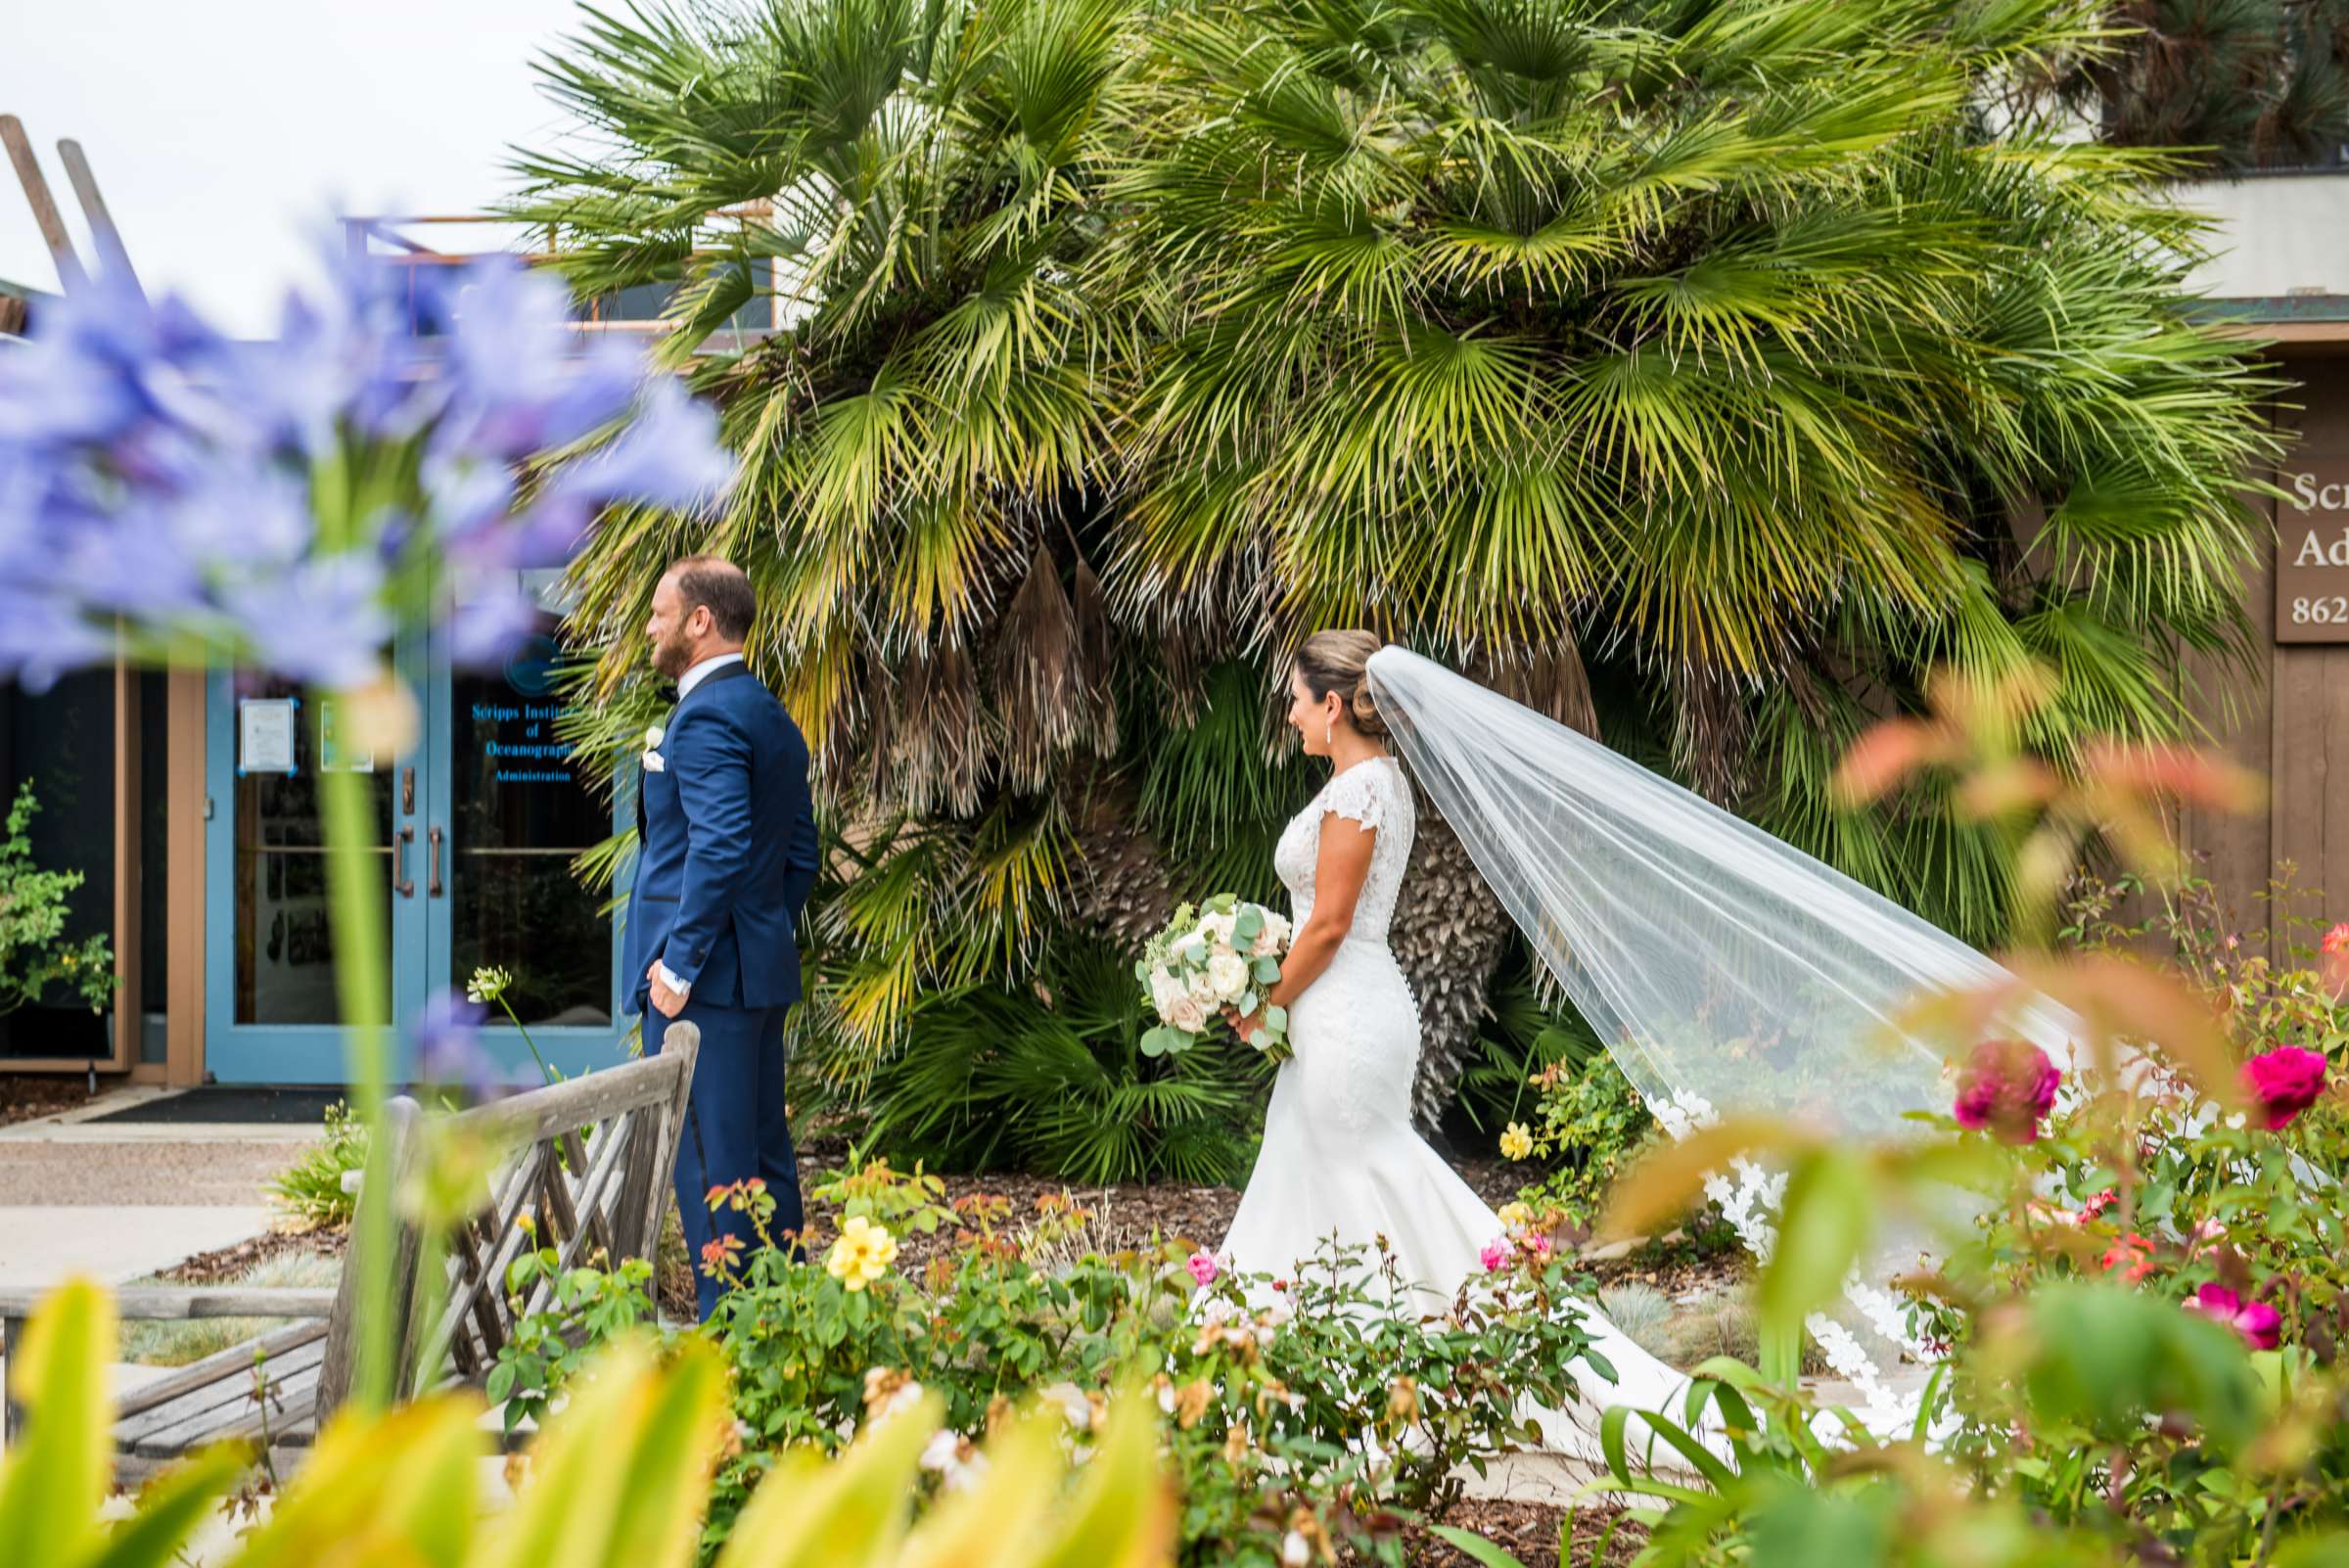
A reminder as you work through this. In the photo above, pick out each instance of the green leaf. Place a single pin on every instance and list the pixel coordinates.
(53, 1477)
(1475, 1545)
(1268, 970)
(172, 1507)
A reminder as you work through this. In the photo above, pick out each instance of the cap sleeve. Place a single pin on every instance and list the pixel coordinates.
(1359, 795)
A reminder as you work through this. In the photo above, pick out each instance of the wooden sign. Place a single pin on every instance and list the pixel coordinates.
(2312, 553)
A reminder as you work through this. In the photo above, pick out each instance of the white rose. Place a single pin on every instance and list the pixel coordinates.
(1188, 1015)
(1229, 975)
(1164, 992)
(1218, 928)
(1199, 988)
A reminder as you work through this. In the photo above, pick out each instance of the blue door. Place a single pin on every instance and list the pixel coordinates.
(475, 830)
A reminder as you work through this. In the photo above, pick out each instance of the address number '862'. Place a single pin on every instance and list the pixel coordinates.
(2322, 610)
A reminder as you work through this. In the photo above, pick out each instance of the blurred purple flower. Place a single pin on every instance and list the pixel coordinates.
(322, 623)
(153, 470)
(447, 1039)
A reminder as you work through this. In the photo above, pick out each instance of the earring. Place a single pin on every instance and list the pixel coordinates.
(1330, 733)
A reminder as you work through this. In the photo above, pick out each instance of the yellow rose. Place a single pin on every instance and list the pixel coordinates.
(1516, 1216)
(1516, 1143)
(863, 1254)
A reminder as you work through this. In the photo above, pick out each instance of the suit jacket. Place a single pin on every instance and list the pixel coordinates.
(726, 848)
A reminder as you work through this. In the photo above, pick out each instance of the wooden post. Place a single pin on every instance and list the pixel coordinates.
(183, 859)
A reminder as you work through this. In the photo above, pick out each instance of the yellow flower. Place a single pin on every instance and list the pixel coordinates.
(863, 1254)
(1516, 1216)
(1516, 1143)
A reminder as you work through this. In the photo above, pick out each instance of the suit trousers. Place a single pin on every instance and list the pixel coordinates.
(735, 1128)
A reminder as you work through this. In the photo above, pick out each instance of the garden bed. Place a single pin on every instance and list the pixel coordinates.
(29, 1096)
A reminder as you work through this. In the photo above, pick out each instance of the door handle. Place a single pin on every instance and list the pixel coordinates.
(402, 884)
(432, 839)
(407, 792)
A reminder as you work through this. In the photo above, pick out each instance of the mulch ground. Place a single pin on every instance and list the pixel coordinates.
(225, 1264)
(1527, 1531)
(29, 1096)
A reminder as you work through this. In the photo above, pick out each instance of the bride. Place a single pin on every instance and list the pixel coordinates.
(1340, 1157)
(1726, 971)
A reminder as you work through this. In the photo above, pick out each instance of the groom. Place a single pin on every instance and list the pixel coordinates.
(726, 852)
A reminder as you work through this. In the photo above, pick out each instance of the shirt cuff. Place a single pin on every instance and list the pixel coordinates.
(669, 978)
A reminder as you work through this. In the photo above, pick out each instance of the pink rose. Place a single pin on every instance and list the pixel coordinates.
(2284, 1082)
(1204, 1268)
(1494, 1255)
(2098, 1203)
(2008, 1086)
(2259, 1323)
(2336, 939)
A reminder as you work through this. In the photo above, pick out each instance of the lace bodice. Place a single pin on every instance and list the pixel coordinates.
(1376, 795)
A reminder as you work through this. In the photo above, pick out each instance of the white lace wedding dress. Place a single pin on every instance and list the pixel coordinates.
(1340, 1157)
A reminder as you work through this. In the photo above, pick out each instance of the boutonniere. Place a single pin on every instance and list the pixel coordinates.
(654, 761)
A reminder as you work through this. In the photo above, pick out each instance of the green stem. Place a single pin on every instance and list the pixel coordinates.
(356, 889)
(544, 1071)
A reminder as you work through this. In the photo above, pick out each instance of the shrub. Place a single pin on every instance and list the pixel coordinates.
(312, 1188)
(35, 955)
(154, 1342)
(1589, 1120)
(1052, 1079)
(1265, 1389)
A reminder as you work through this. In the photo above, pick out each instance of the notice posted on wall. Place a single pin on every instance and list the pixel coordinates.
(265, 734)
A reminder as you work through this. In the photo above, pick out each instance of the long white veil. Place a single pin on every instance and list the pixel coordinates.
(1727, 971)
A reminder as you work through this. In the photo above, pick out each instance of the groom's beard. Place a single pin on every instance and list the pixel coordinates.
(672, 655)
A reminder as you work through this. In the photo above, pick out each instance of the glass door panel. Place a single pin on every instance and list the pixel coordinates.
(282, 938)
(519, 817)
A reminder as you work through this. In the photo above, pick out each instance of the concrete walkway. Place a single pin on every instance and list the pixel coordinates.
(118, 1200)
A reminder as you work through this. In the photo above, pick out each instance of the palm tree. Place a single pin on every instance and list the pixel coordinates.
(1699, 371)
(2243, 83)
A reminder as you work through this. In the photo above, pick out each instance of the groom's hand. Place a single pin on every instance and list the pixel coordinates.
(665, 1000)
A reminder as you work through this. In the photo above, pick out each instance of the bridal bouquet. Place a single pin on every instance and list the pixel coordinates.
(1224, 953)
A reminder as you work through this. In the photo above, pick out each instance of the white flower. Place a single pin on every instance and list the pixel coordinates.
(949, 1454)
(1229, 975)
(653, 736)
(487, 985)
(887, 1391)
(1218, 928)
(1188, 1014)
(1074, 1405)
(1164, 992)
(1295, 1551)
(1276, 935)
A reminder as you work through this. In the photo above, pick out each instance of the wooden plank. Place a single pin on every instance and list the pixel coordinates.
(334, 1382)
(543, 1113)
(183, 879)
(201, 1413)
(108, 238)
(681, 1044)
(235, 1362)
(187, 1303)
(45, 217)
(613, 1139)
(293, 1397)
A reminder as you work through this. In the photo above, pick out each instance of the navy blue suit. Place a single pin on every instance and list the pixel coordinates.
(725, 857)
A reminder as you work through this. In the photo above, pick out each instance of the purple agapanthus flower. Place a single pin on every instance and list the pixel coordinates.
(199, 491)
(449, 1054)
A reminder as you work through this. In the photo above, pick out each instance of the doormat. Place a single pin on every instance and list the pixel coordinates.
(286, 1106)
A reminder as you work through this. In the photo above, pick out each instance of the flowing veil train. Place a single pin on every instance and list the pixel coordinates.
(1727, 971)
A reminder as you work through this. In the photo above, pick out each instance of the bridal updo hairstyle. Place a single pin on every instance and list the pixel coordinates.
(1338, 661)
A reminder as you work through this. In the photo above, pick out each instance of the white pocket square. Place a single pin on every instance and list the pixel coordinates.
(655, 762)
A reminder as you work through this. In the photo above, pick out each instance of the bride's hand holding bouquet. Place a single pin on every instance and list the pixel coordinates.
(1220, 958)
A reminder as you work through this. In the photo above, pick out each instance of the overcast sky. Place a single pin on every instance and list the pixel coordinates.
(223, 133)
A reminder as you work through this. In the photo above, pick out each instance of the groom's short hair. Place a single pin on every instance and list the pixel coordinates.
(720, 584)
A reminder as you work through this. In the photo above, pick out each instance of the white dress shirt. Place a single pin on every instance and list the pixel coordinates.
(686, 685)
